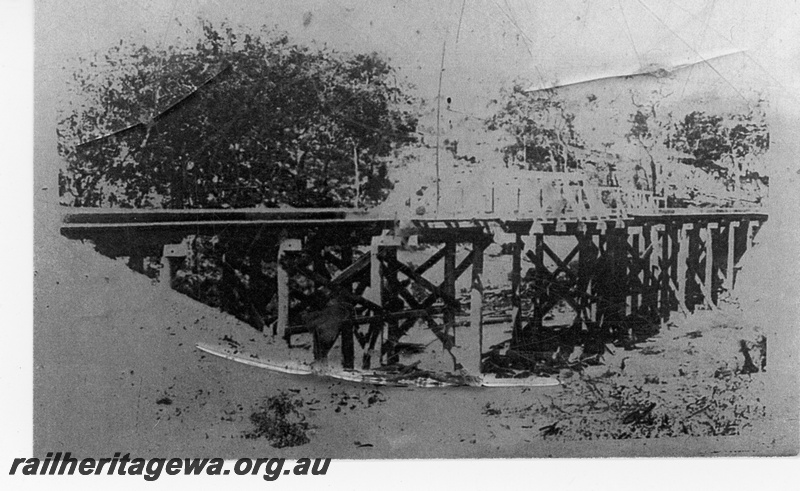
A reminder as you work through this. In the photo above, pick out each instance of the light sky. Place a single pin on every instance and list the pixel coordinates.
(487, 43)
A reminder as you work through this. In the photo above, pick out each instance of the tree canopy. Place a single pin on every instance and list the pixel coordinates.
(667, 143)
(542, 130)
(725, 146)
(238, 119)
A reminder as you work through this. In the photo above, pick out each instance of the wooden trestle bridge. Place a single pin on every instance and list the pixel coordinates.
(643, 264)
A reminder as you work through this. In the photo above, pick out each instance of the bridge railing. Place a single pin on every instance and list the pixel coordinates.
(540, 195)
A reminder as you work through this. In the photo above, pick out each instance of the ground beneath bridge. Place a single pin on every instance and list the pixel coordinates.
(116, 369)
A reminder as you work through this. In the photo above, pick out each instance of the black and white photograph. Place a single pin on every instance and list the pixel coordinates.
(407, 229)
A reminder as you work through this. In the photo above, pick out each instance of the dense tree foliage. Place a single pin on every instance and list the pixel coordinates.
(236, 120)
(727, 146)
(542, 130)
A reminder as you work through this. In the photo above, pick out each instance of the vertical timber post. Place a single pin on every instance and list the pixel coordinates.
(634, 298)
(646, 242)
(630, 297)
(599, 250)
(476, 298)
(665, 273)
(538, 300)
(730, 269)
(655, 269)
(709, 277)
(674, 249)
(683, 265)
(640, 248)
(611, 286)
(449, 315)
(375, 284)
(585, 263)
(706, 281)
(171, 259)
(348, 348)
(286, 245)
(165, 276)
(604, 278)
(375, 296)
(618, 289)
(516, 303)
(390, 300)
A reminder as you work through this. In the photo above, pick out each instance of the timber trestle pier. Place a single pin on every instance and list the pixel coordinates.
(610, 274)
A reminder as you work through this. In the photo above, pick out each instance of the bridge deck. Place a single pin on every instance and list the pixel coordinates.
(151, 227)
(96, 218)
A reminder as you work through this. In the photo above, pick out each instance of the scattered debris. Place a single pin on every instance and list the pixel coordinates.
(490, 410)
(651, 350)
(279, 420)
(638, 415)
(550, 430)
(232, 343)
